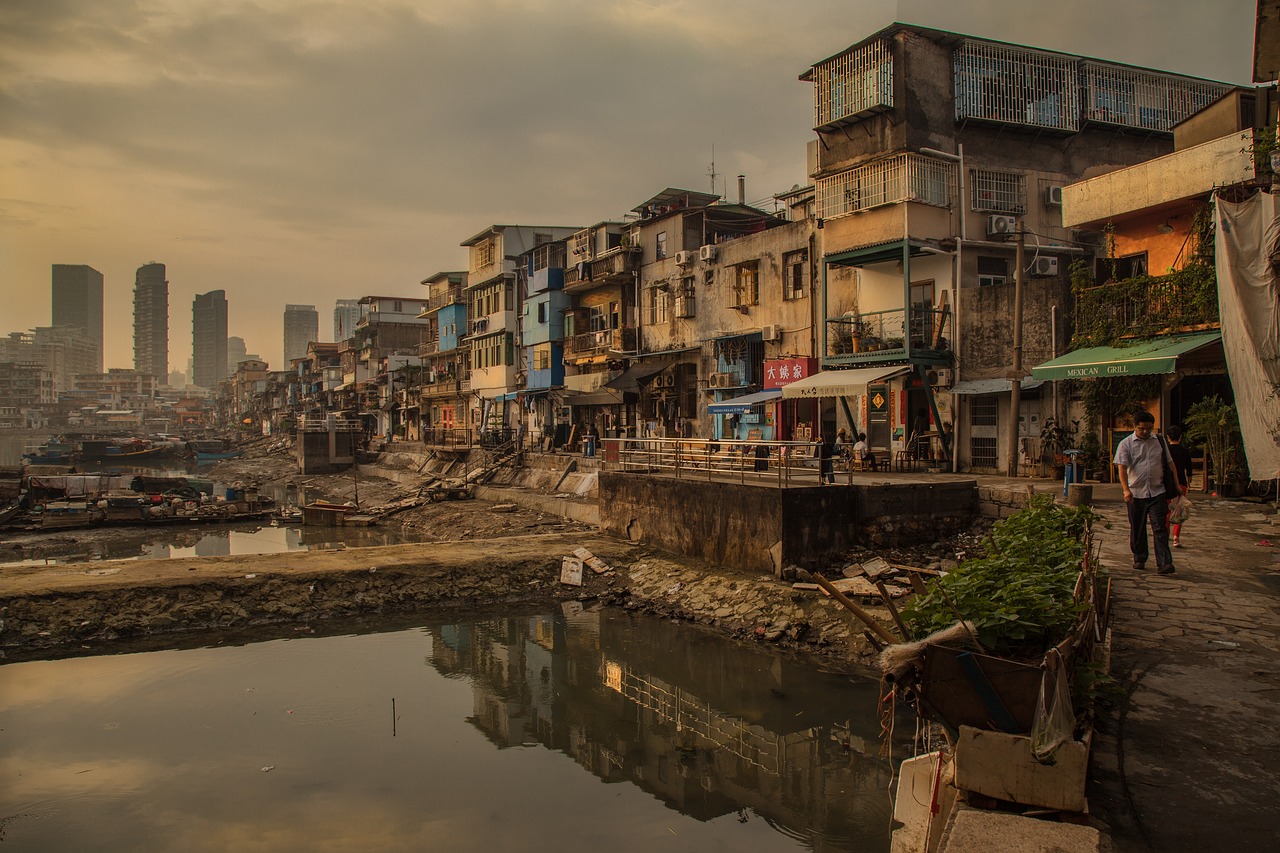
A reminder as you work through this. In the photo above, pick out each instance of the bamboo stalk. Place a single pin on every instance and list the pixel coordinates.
(866, 617)
(893, 611)
(973, 635)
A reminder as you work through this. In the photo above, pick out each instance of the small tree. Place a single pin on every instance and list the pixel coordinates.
(1215, 425)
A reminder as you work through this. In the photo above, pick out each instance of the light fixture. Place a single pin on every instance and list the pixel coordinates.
(1165, 227)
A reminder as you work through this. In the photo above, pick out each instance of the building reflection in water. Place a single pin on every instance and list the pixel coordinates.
(710, 727)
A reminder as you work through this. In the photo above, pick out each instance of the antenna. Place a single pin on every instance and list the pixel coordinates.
(712, 172)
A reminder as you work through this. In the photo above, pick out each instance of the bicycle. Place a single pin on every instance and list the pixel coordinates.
(1265, 489)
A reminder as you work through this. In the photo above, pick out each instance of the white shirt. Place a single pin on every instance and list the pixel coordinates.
(1144, 458)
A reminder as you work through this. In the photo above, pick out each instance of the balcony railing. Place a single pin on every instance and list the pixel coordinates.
(603, 341)
(613, 267)
(454, 296)
(452, 437)
(1146, 306)
(882, 335)
(429, 347)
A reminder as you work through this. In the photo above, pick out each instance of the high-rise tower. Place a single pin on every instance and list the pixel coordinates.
(209, 337)
(346, 313)
(301, 327)
(151, 321)
(77, 301)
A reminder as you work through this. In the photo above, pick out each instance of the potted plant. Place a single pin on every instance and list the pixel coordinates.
(1215, 425)
(1095, 461)
(1055, 439)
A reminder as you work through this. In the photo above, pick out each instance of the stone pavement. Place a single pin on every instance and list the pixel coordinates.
(1188, 759)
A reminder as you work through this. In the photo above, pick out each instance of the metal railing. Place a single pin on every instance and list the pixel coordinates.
(450, 437)
(885, 332)
(322, 424)
(785, 464)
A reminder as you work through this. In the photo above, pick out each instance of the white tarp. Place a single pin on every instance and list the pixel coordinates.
(1248, 235)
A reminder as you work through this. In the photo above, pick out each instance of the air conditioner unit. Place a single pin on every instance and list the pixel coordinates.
(1053, 196)
(771, 333)
(707, 253)
(1001, 226)
(941, 378)
(684, 258)
(1044, 267)
(721, 380)
(667, 380)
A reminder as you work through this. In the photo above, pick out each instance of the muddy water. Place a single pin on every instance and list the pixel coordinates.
(583, 729)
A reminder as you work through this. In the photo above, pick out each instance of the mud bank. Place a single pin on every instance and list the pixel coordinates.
(92, 608)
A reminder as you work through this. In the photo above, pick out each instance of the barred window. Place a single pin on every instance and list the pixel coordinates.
(853, 84)
(982, 411)
(998, 192)
(746, 284)
(982, 451)
(997, 82)
(795, 274)
(905, 177)
(658, 299)
(482, 254)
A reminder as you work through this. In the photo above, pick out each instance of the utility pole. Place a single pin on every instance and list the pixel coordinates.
(1015, 375)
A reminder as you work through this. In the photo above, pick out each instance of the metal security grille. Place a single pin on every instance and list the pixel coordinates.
(853, 83)
(906, 177)
(997, 82)
(982, 452)
(1001, 192)
(982, 411)
(1142, 99)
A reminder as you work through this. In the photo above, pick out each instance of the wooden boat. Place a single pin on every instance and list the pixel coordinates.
(50, 453)
(211, 450)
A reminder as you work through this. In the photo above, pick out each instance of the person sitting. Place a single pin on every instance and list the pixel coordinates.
(862, 454)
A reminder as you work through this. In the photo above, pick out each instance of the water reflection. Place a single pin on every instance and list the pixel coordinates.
(709, 728)
(216, 540)
(690, 742)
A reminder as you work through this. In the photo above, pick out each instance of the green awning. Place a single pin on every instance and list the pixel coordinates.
(1159, 355)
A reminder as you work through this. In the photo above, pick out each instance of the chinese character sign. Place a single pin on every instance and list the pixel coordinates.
(784, 371)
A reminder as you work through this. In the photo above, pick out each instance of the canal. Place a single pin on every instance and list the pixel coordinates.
(584, 728)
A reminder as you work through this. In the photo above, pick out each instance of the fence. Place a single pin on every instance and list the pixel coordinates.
(785, 464)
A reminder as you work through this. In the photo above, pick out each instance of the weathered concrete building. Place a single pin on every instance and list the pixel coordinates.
(445, 389)
(933, 151)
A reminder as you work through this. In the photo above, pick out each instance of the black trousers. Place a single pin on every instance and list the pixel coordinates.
(1153, 511)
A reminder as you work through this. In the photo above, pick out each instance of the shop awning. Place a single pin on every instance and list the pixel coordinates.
(1146, 357)
(994, 386)
(742, 405)
(604, 397)
(629, 380)
(840, 383)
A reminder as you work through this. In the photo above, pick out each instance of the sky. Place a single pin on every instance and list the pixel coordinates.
(302, 151)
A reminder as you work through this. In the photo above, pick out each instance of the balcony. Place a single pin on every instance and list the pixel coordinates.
(429, 347)
(881, 336)
(450, 387)
(454, 296)
(602, 342)
(613, 267)
(1148, 306)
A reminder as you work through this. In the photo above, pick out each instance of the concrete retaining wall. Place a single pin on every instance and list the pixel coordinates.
(766, 528)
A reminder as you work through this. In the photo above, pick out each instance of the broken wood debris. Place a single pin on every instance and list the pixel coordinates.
(592, 562)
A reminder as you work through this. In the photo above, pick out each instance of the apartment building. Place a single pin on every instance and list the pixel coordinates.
(934, 151)
(445, 392)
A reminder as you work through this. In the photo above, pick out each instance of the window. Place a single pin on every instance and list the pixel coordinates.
(982, 411)
(889, 180)
(549, 256)
(489, 299)
(658, 304)
(854, 83)
(482, 254)
(492, 351)
(795, 274)
(542, 312)
(542, 357)
(1003, 83)
(998, 192)
(597, 319)
(662, 245)
(1129, 266)
(992, 271)
(746, 284)
(982, 451)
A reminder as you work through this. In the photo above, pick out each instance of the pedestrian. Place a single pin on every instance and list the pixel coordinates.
(845, 443)
(826, 460)
(1182, 464)
(1143, 461)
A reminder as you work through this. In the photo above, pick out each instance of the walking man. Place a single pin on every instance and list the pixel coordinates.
(1143, 462)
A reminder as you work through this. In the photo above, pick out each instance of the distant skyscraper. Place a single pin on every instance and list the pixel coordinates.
(77, 301)
(301, 327)
(346, 313)
(151, 322)
(209, 337)
(236, 353)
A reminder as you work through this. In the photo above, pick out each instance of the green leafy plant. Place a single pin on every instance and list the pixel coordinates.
(1215, 425)
(1020, 596)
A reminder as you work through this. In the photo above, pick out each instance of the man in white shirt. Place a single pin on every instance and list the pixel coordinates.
(1142, 461)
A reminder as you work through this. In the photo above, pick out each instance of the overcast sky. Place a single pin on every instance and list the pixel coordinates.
(301, 151)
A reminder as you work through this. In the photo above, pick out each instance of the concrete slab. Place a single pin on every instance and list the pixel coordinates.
(976, 831)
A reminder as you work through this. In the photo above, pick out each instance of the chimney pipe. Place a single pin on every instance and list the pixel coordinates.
(742, 189)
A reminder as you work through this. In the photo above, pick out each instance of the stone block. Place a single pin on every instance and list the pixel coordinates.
(973, 830)
(1000, 765)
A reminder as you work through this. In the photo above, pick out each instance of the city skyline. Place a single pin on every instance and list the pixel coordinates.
(288, 157)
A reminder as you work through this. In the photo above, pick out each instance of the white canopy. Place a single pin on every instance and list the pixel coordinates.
(840, 383)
